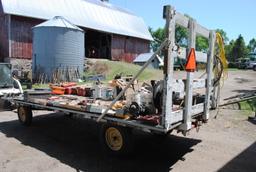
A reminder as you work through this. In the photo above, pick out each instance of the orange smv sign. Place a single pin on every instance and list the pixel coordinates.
(191, 61)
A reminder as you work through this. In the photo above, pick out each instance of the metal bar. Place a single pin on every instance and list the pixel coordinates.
(237, 101)
(169, 60)
(92, 115)
(209, 71)
(165, 42)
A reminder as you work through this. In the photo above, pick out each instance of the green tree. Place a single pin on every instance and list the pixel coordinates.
(223, 34)
(252, 45)
(239, 49)
(158, 36)
(181, 36)
(228, 50)
(202, 43)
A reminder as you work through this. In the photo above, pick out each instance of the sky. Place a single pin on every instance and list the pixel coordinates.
(233, 16)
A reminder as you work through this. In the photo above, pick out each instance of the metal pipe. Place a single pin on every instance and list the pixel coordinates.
(237, 101)
(165, 42)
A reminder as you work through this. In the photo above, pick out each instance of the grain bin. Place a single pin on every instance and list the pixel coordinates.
(58, 51)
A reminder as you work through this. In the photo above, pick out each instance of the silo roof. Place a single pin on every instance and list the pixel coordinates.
(59, 21)
(92, 14)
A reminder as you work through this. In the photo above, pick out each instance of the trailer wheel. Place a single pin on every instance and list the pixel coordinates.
(25, 115)
(116, 140)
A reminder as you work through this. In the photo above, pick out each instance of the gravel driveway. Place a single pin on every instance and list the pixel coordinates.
(57, 143)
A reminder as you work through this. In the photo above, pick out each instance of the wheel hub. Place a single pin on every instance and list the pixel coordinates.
(114, 139)
(22, 114)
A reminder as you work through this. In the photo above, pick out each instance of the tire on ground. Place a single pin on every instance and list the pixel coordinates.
(25, 115)
(116, 140)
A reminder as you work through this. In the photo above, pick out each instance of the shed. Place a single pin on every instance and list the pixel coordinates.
(143, 58)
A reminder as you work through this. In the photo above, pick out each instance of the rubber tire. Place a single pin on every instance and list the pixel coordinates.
(128, 142)
(28, 115)
(254, 68)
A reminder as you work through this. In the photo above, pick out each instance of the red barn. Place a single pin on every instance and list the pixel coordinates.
(110, 32)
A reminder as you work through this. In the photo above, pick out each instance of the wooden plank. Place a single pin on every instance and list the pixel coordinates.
(184, 21)
(169, 61)
(181, 20)
(209, 70)
(200, 30)
(186, 125)
(177, 116)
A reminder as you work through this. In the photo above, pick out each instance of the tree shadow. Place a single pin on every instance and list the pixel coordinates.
(243, 91)
(243, 80)
(245, 161)
(75, 142)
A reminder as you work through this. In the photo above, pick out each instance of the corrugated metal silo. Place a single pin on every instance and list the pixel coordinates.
(58, 51)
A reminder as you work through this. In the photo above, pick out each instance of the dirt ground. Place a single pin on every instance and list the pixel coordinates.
(56, 142)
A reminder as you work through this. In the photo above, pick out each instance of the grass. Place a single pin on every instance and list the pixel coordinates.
(249, 105)
(113, 68)
(37, 86)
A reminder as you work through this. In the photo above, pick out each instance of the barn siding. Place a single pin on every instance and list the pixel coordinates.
(123, 48)
(4, 46)
(127, 48)
(21, 36)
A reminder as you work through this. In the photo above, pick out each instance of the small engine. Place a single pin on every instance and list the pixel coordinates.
(142, 103)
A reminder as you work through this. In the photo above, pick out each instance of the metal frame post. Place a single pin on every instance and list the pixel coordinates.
(189, 82)
(209, 71)
(168, 68)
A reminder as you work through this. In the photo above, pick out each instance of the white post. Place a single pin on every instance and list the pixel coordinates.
(189, 82)
(209, 71)
(168, 68)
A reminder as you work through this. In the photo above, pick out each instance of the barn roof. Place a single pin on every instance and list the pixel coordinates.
(92, 14)
(59, 21)
(142, 58)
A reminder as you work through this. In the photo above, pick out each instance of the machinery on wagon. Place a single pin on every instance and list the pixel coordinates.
(160, 106)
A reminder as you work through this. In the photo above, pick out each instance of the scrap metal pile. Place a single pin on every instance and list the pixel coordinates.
(142, 102)
(135, 104)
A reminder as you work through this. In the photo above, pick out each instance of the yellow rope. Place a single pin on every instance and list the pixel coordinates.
(221, 54)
